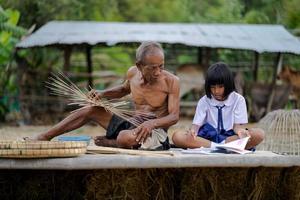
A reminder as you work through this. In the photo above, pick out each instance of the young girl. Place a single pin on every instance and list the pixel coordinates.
(221, 115)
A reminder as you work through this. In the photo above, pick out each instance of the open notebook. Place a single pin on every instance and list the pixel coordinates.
(237, 146)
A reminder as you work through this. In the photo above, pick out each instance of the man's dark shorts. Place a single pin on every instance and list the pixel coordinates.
(117, 124)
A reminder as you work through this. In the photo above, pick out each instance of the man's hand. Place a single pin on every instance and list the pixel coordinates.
(94, 95)
(144, 130)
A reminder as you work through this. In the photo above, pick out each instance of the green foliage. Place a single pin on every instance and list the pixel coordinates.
(292, 14)
(256, 17)
(119, 58)
(9, 36)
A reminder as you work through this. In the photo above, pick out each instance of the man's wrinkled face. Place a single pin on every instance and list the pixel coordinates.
(152, 67)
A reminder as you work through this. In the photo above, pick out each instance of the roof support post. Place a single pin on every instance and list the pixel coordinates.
(277, 67)
(67, 58)
(255, 65)
(206, 59)
(89, 65)
(199, 55)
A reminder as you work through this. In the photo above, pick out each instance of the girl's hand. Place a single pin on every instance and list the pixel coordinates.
(242, 133)
(192, 132)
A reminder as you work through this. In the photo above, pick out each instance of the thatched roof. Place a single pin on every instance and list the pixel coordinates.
(259, 38)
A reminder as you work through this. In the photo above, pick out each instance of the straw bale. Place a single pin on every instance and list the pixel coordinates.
(183, 183)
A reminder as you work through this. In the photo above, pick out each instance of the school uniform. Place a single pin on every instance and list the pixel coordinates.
(216, 118)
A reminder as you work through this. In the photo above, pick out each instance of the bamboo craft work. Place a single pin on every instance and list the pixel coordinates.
(61, 85)
(282, 132)
(41, 149)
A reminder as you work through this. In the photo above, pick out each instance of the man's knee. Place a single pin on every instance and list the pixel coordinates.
(91, 110)
(125, 139)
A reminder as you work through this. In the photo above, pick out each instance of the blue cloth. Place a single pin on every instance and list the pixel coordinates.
(84, 138)
(208, 132)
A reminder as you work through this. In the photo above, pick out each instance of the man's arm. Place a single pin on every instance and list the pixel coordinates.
(173, 108)
(116, 92)
(120, 90)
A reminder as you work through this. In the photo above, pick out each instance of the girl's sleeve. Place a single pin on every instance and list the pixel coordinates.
(240, 112)
(200, 114)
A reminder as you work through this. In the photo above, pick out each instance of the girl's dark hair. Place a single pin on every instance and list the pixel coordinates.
(219, 74)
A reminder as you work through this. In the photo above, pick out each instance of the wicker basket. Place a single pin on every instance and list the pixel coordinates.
(282, 129)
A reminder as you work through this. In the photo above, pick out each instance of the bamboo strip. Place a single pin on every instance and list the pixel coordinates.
(112, 150)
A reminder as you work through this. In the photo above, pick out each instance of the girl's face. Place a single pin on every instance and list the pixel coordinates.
(217, 91)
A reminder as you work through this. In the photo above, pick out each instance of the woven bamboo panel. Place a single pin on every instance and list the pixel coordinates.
(41, 153)
(41, 149)
(41, 144)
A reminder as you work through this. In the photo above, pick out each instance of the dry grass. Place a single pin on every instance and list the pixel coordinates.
(195, 183)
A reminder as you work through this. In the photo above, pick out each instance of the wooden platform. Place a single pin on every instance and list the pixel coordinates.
(261, 175)
(178, 160)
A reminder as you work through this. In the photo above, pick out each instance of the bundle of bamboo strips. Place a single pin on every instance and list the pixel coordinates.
(61, 85)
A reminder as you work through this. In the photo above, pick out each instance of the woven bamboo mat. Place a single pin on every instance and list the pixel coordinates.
(41, 149)
(41, 144)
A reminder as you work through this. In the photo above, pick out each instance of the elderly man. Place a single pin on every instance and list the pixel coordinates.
(153, 90)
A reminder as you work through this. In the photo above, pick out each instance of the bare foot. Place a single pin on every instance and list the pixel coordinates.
(103, 141)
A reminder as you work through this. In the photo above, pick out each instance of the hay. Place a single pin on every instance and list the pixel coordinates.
(282, 129)
(131, 184)
(214, 183)
(195, 183)
(290, 183)
(265, 183)
(184, 183)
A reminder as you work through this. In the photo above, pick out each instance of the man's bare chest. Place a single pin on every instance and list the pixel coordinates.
(154, 96)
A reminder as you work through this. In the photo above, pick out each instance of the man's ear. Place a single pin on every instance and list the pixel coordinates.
(138, 65)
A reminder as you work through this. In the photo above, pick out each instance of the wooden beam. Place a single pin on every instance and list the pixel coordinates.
(199, 56)
(255, 65)
(207, 52)
(67, 58)
(89, 65)
(277, 67)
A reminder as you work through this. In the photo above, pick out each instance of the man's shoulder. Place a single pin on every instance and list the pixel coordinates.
(171, 77)
(131, 71)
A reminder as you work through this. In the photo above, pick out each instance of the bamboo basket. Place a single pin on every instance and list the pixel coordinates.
(41, 149)
(282, 132)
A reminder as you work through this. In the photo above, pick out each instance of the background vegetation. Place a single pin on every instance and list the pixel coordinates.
(32, 14)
